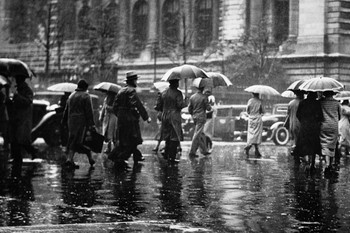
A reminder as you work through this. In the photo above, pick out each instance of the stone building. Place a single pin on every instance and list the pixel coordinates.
(312, 35)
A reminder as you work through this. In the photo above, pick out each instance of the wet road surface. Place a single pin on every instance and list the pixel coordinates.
(223, 192)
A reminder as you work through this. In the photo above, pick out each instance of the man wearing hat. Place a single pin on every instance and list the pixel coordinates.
(79, 116)
(128, 108)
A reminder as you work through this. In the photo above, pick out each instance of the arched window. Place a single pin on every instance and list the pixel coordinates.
(204, 22)
(111, 18)
(140, 24)
(171, 21)
(281, 20)
(83, 21)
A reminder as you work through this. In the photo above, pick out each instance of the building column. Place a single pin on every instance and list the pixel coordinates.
(271, 22)
(152, 22)
(216, 14)
(123, 23)
(293, 19)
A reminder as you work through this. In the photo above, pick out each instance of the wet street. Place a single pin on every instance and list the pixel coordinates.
(223, 192)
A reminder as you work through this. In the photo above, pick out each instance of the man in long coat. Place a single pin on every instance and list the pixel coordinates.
(79, 116)
(170, 102)
(21, 122)
(128, 108)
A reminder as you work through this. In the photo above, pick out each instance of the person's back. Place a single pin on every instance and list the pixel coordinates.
(198, 105)
(79, 105)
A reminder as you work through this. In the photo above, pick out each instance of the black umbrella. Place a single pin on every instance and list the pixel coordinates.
(12, 67)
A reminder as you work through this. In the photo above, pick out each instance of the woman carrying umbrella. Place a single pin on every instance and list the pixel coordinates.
(255, 110)
(344, 126)
(109, 121)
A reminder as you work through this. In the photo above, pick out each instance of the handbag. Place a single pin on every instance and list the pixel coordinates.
(93, 140)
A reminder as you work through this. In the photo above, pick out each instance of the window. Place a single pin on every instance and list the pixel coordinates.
(140, 24)
(204, 22)
(171, 21)
(281, 20)
(83, 21)
(111, 19)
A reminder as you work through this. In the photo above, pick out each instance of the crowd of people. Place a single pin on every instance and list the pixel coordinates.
(315, 123)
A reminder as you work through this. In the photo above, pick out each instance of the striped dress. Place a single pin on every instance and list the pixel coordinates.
(329, 126)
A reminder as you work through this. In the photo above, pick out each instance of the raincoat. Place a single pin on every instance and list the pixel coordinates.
(109, 119)
(294, 123)
(170, 102)
(128, 108)
(255, 110)
(344, 126)
(79, 115)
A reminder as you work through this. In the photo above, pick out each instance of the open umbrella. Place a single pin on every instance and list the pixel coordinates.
(11, 67)
(199, 82)
(3, 80)
(262, 89)
(295, 85)
(288, 94)
(216, 79)
(107, 86)
(161, 86)
(343, 95)
(65, 87)
(322, 84)
(183, 72)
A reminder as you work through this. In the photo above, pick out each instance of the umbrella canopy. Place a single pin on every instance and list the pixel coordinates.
(262, 89)
(107, 86)
(199, 82)
(322, 84)
(161, 86)
(12, 67)
(343, 95)
(65, 87)
(184, 71)
(288, 94)
(295, 85)
(3, 80)
(218, 80)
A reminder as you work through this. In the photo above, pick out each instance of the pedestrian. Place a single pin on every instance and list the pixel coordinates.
(158, 136)
(197, 107)
(21, 122)
(4, 118)
(255, 110)
(170, 103)
(128, 108)
(329, 129)
(293, 122)
(78, 115)
(209, 123)
(344, 127)
(109, 121)
(310, 115)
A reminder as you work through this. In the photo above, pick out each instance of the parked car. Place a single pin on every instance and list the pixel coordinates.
(47, 119)
(230, 124)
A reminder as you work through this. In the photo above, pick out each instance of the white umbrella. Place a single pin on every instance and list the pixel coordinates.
(65, 87)
(218, 80)
(322, 84)
(262, 89)
(288, 94)
(161, 86)
(107, 86)
(184, 71)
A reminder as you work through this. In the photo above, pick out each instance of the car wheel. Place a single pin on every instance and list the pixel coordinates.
(281, 136)
(52, 135)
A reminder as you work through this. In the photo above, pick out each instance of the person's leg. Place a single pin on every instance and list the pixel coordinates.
(16, 153)
(91, 160)
(195, 140)
(137, 155)
(257, 152)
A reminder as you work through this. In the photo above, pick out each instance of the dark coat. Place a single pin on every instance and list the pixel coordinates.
(310, 115)
(22, 115)
(170, 103)
(79, 115)
(128, 108)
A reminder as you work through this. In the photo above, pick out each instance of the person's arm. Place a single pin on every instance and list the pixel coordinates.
(24, 99)
(136, 102)
(159, 103)
(89, 111)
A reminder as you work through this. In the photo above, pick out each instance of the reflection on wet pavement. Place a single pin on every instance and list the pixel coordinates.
(224, 192)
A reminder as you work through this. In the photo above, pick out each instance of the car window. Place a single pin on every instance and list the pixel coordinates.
(222, 112)
(237, 111)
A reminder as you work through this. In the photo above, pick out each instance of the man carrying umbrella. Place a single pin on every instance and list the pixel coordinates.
(128, 108)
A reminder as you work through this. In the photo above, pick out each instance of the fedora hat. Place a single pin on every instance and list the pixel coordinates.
(131, 75)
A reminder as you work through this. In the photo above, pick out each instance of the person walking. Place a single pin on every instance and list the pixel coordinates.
(209, 123)
(293, 122)
(197, 107)
(329, 130)
(21, 122)
(310, 115)
(4, 118)
(79, 117)
(128, 108)
(255, 110)
(344, 127)
(109, 121)
(170, 102)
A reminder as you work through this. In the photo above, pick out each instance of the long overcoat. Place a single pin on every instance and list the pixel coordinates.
(22, 115)
(128, 108)
(170, 102)
(109, 119)
(79, 115)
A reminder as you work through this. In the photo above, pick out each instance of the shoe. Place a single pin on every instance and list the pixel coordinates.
(206, 153)
(193, 155)
(246, 150)
(258, 155)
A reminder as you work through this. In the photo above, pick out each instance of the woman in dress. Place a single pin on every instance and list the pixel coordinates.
(255, 110)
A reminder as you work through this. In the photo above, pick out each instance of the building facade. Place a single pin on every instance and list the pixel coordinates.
(151, 36)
